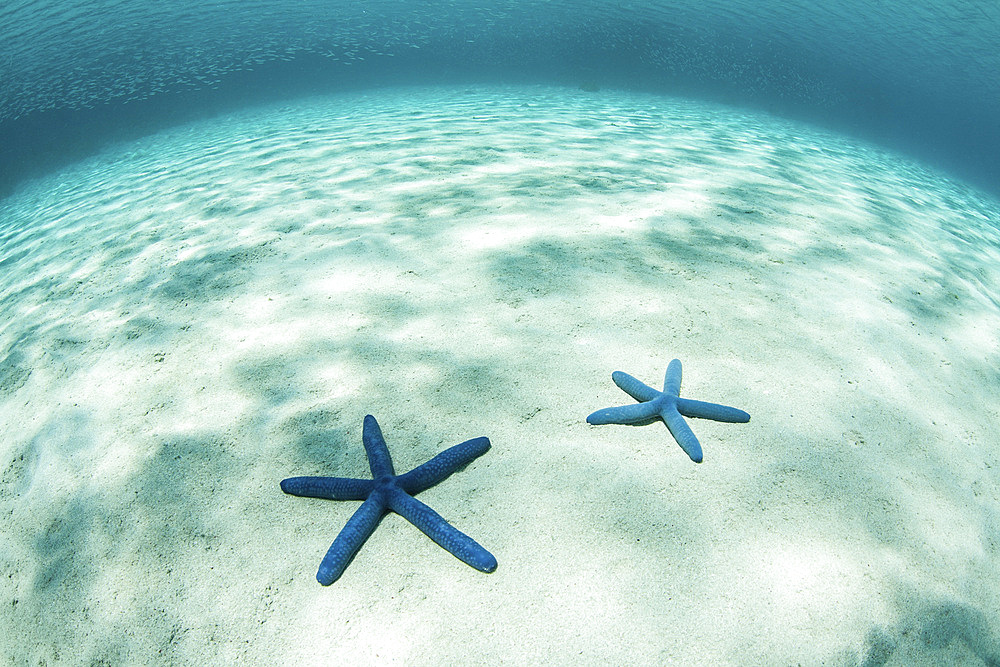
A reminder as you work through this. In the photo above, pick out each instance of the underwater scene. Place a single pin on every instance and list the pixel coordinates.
(509, 332)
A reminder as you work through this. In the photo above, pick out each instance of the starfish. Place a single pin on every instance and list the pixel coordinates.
(666, 405)
(389, 491)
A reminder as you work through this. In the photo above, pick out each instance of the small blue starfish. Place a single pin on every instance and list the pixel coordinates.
(389, 491)
(666, 405)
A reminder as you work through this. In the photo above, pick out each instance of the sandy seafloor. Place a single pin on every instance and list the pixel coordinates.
(189, 319)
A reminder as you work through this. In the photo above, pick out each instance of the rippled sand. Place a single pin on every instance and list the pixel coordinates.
(189, 319)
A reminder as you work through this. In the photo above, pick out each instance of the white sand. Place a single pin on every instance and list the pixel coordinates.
(187, 320)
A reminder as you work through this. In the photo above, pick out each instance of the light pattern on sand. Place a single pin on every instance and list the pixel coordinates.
(185, 318)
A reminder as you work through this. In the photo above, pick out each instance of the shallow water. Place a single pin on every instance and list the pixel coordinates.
(229, 230)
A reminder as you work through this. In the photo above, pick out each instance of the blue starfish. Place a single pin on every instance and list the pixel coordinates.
(389, 491)
(666, 405)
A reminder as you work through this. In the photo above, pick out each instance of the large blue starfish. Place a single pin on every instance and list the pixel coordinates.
(666, 405)
(389, 491)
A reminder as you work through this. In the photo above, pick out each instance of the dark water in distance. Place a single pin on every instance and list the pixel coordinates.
(918, 76)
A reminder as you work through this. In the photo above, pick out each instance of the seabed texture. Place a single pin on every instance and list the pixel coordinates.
(188, 319)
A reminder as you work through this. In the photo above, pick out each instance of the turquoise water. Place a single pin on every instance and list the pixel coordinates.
(915, 76)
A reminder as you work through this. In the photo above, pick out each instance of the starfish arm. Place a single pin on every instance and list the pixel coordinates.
(682, 434)
(633, 387)
(447, 536)
(332, 488)
(358, 528)
(378, 454)
(637, 413)
(672, 381)
(441, 466)
(703, 410)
